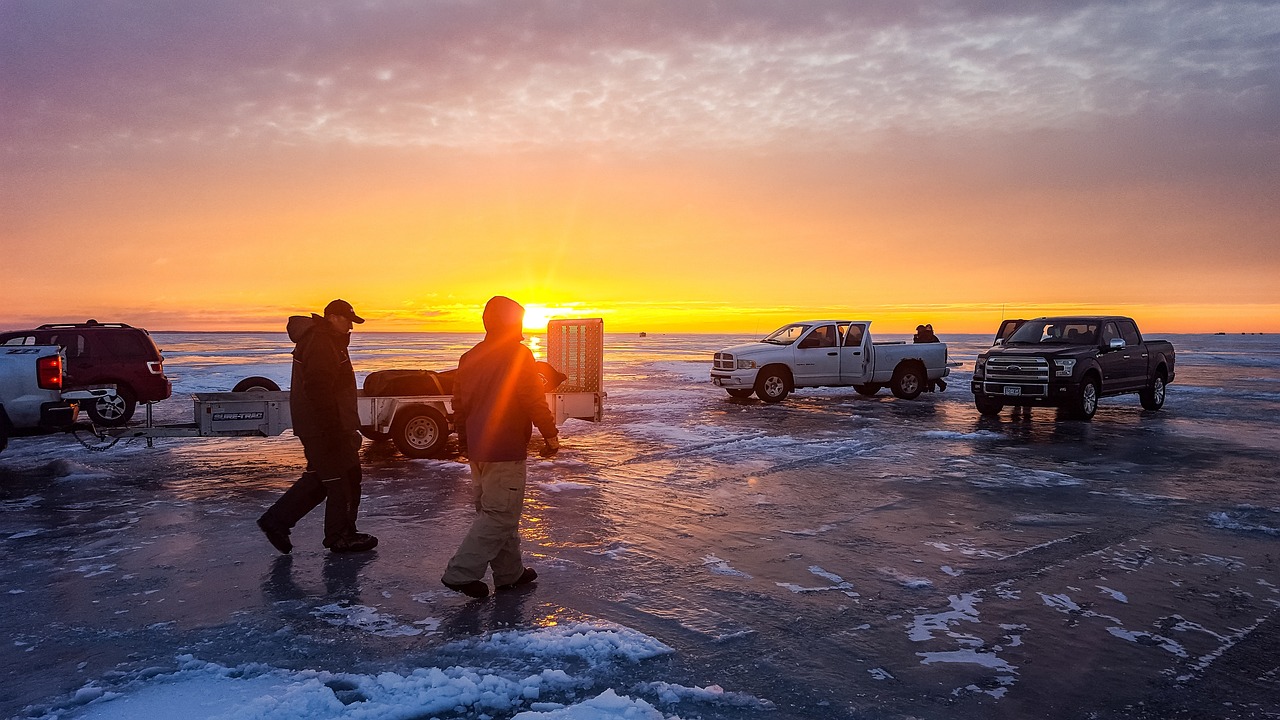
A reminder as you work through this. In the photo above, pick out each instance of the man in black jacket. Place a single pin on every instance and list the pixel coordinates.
(322, 403)
(497, 398)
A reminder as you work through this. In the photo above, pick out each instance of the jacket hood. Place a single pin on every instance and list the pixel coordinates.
(300, 326)
(503, 319)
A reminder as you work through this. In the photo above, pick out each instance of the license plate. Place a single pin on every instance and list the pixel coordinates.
(1012, 390)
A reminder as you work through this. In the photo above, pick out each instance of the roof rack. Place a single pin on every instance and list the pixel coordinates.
(86, 324)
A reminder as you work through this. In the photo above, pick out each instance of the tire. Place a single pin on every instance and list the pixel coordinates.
(113, 410)
(420, 431)
(987, 406)
(908, 381)
(773, 384)
(374, 435)
(1153, 397)
(740, 393)
(868, 390)
(256, 383)
(1085, 402)
(4, 431)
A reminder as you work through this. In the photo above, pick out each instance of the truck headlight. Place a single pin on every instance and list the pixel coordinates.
(979, 367)
(746, 364)
(1065, 367)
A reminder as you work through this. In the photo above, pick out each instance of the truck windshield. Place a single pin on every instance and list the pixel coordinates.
(786, 335)
(1057, 331)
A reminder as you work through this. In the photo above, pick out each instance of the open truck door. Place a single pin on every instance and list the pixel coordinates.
(1007, 328)
(576, 348)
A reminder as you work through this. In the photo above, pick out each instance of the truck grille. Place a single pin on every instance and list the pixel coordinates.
(722, 361)
(1031, 374)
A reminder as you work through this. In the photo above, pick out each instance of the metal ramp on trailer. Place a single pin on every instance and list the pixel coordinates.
(576, 348)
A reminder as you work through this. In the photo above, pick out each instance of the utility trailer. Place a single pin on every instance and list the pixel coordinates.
(419, 425)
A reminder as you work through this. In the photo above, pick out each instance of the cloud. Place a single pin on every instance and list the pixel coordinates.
(625, 77)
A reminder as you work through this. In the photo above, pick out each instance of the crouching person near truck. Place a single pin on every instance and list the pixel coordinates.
(322, 402)
(497, 398)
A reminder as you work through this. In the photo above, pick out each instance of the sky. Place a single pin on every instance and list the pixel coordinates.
(672, 165)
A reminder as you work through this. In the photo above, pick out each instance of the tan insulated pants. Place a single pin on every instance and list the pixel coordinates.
(494, 537)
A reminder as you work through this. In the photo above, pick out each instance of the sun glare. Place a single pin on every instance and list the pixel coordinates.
(536, 316)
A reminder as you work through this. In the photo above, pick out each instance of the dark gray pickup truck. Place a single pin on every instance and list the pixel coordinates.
(1071, 362)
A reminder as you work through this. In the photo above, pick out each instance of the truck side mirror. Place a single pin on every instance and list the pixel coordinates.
(1115, 344)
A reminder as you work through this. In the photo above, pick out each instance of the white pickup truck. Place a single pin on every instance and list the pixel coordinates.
(818, 353)
(31, 397)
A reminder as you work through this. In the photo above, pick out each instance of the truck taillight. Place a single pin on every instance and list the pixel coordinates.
(156, 367)
(49, 372)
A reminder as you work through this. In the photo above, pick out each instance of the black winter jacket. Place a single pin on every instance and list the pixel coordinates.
(322, 389)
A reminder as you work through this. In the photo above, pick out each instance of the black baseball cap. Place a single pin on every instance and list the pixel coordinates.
(342, 308)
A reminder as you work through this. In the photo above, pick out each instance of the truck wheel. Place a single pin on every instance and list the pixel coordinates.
(420, 431)
(4, 431)
(772, 385)
(374, 435)
(1085, 402)
(908, 381)
(256, 384)
(987, 406)
(1153, 397)
(113, 410)
(740, 393)
(868, 390)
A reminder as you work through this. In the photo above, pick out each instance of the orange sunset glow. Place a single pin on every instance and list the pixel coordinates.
(669, 166)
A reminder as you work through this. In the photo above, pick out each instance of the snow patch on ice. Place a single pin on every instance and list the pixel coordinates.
(564, 485)
(209, 691)
(1021, 477)
(880, 674)
(953, 435)
(911, 582)
(1245, 521)
(963, 609)
(721, 567)
(367, 619)
(714, 694)
(1146, 638)
(1114, 593)
(840, 583)
(596, 642)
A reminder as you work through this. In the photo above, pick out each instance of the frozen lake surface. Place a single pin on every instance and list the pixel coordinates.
(699, 557)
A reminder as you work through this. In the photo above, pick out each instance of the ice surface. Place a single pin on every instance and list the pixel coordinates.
(831, 556)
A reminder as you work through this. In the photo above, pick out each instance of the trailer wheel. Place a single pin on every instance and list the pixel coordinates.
(420, 431)
(113, 410)
(867, 390)
(256, 384)
(908, 381)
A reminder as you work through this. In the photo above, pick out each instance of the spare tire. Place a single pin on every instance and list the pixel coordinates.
(406, 383)
(256, 383)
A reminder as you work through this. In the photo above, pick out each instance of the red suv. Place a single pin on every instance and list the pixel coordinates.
(105, 354)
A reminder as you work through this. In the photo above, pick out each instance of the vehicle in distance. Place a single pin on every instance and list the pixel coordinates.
(827, 353)
(104, 354)
(1071, 362)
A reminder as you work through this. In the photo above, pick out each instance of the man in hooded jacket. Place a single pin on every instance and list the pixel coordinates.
(322, 403)
(497, 398)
